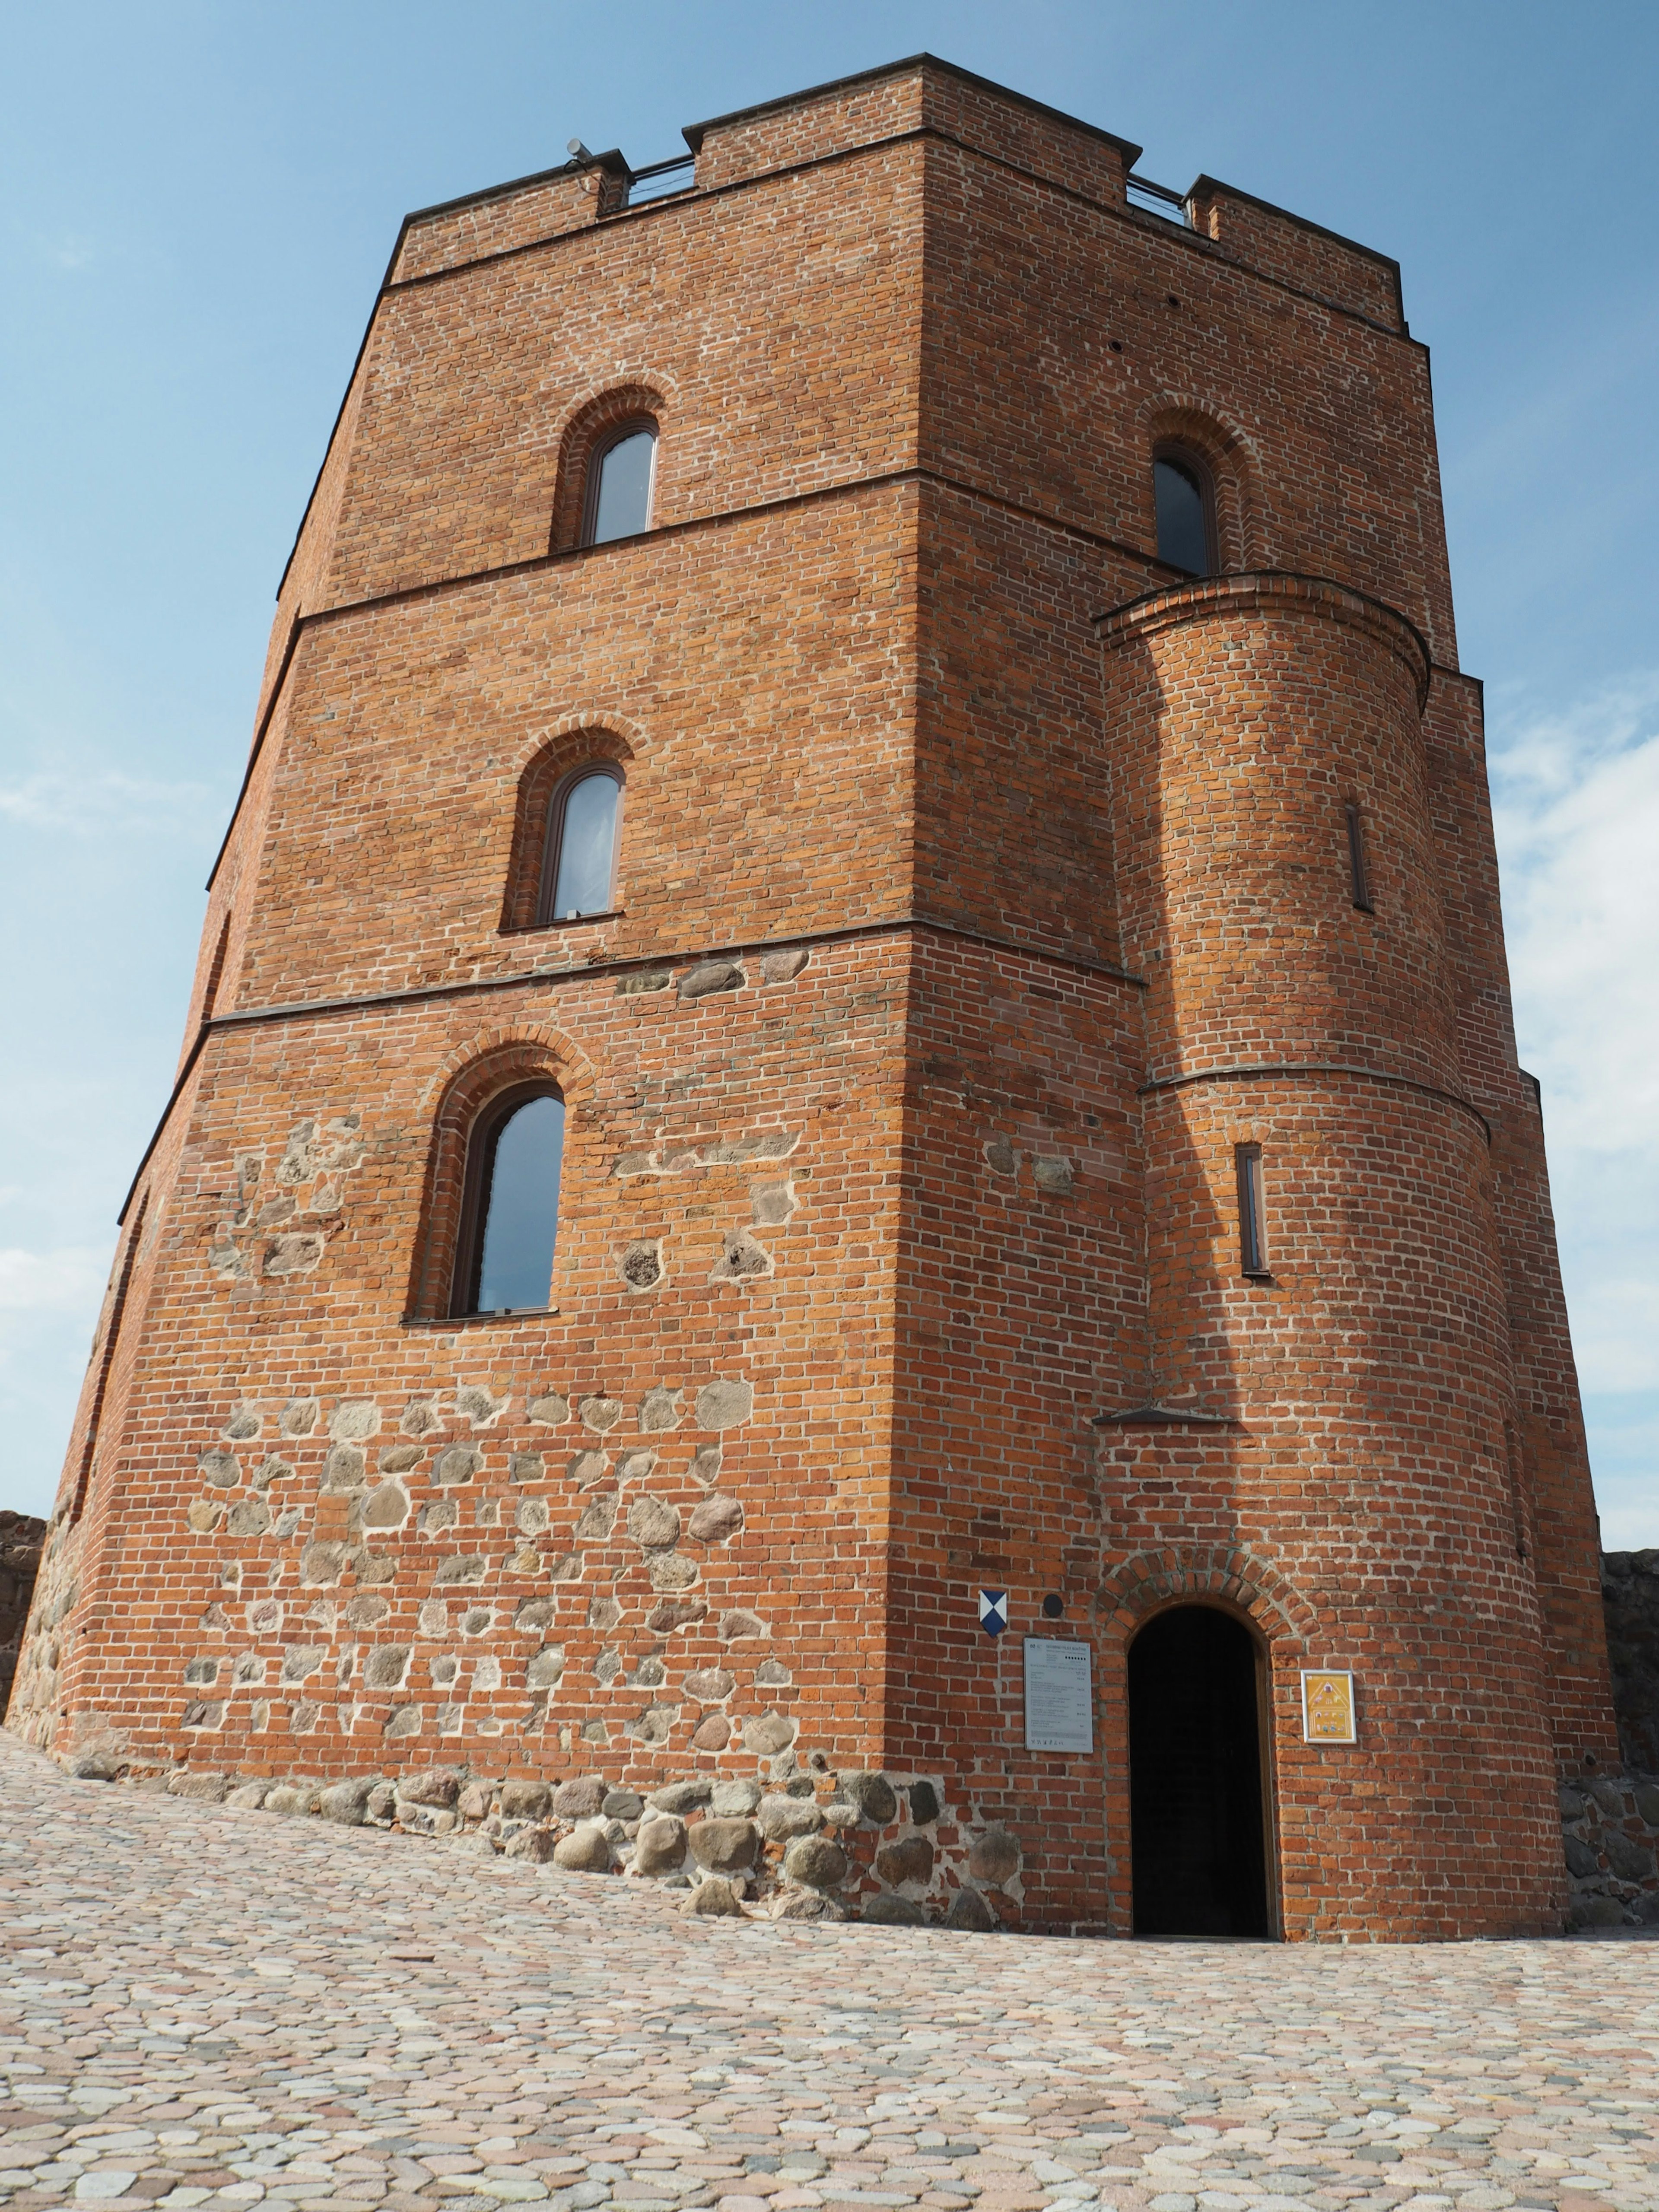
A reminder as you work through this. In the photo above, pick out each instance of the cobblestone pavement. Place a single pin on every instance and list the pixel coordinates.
(221, 2007)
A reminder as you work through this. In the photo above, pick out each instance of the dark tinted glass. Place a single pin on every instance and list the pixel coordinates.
(521, 1207)
(587, 849)
(1183, 535)
(623, 505)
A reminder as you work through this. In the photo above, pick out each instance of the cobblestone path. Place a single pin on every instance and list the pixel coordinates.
(221, 2007)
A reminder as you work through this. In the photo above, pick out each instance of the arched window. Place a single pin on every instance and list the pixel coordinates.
(619, 483)
(579, 866)
(510, 1217)
(1186, 511)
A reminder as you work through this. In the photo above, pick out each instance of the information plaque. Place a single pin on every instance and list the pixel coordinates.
(1328, 1708)
(1060, 1706)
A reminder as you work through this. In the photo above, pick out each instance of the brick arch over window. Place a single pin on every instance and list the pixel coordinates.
(1230, 461)
(1231, 1576)
(589, 430)
(546, 772)
(488, 1068)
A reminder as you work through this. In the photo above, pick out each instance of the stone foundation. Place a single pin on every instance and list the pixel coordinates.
(1630, 1605)
(21, 1535)
(804, 1846)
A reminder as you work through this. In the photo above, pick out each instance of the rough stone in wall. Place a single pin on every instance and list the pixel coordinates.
(1630, 1601)
(23, 1536)
(1610, 1834)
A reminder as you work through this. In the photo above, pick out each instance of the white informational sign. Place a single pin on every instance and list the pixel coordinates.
(1059, 1703)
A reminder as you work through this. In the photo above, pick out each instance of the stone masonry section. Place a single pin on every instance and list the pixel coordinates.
(982, 886)
(209, 2006)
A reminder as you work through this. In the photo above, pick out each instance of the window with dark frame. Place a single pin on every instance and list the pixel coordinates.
(1358, 880)
(620, 480)
(1252, 1220)
(1184, 499)
(579, 866)
(510, 1208)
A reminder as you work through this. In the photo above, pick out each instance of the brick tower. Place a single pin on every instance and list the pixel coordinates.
(907, 698)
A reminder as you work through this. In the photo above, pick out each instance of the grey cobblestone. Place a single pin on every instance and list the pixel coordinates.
(205, 2007)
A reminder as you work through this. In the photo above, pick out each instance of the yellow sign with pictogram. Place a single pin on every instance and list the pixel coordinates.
(1328, 1708)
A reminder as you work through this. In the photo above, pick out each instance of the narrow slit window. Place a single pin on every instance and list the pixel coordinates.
(619, 492)
(1186, 515)
(580, 870)
(1359, 880)
(513, 1210)
(1252, 1224)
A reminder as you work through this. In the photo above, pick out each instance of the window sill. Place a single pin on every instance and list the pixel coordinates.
(570, 921)
(472, 1320)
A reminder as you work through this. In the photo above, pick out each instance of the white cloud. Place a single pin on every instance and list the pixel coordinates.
(1577, 800)
(70, 1280)
(102, 801)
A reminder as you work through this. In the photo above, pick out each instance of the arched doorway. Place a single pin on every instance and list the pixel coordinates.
(1195, 1782)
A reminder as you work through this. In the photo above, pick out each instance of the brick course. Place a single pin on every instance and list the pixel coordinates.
(1026, 862)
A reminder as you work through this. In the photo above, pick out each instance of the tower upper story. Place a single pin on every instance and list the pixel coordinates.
(911, 341)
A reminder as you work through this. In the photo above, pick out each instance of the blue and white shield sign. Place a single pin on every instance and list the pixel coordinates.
(993, 1610)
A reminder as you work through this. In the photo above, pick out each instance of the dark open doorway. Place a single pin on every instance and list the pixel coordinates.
(1200, 1860)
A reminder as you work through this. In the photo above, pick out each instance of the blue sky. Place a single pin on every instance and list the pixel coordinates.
(197, 206)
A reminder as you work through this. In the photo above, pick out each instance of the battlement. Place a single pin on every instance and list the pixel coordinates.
(919, 98)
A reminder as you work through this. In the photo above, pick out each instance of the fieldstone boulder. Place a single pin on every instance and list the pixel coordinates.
(722, 1405)
(586, 1849)
(910, 1859)
(969, 1911)
(622, 1805)
(735, 1798)
(715, 1518)
(660, 1847)
(670, 1614)
(995, 1857)
(769, 1734)
(527, 1800)
(1581, 1859)
(249, 1796)
(874, 1795)
(924, 1803)
(535, 1844)
(580, 1799)
(816, 1862)
(806, 1905)
(681, 1797)
(710, 975)
(1630, 1860)
(437, 1785)
(205, 1788)
(653, 1524)
(893, 1913)
(783, 1818)
(712, 1733)
(724, 1847)
(714, 1897)
(346, 1803)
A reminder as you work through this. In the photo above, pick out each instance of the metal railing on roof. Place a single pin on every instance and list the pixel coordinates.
(656, 178)
(1159, 200)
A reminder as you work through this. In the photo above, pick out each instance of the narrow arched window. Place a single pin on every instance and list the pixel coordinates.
(510, 1217)
(619, 485)
(1186, 511)
(579, 873)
